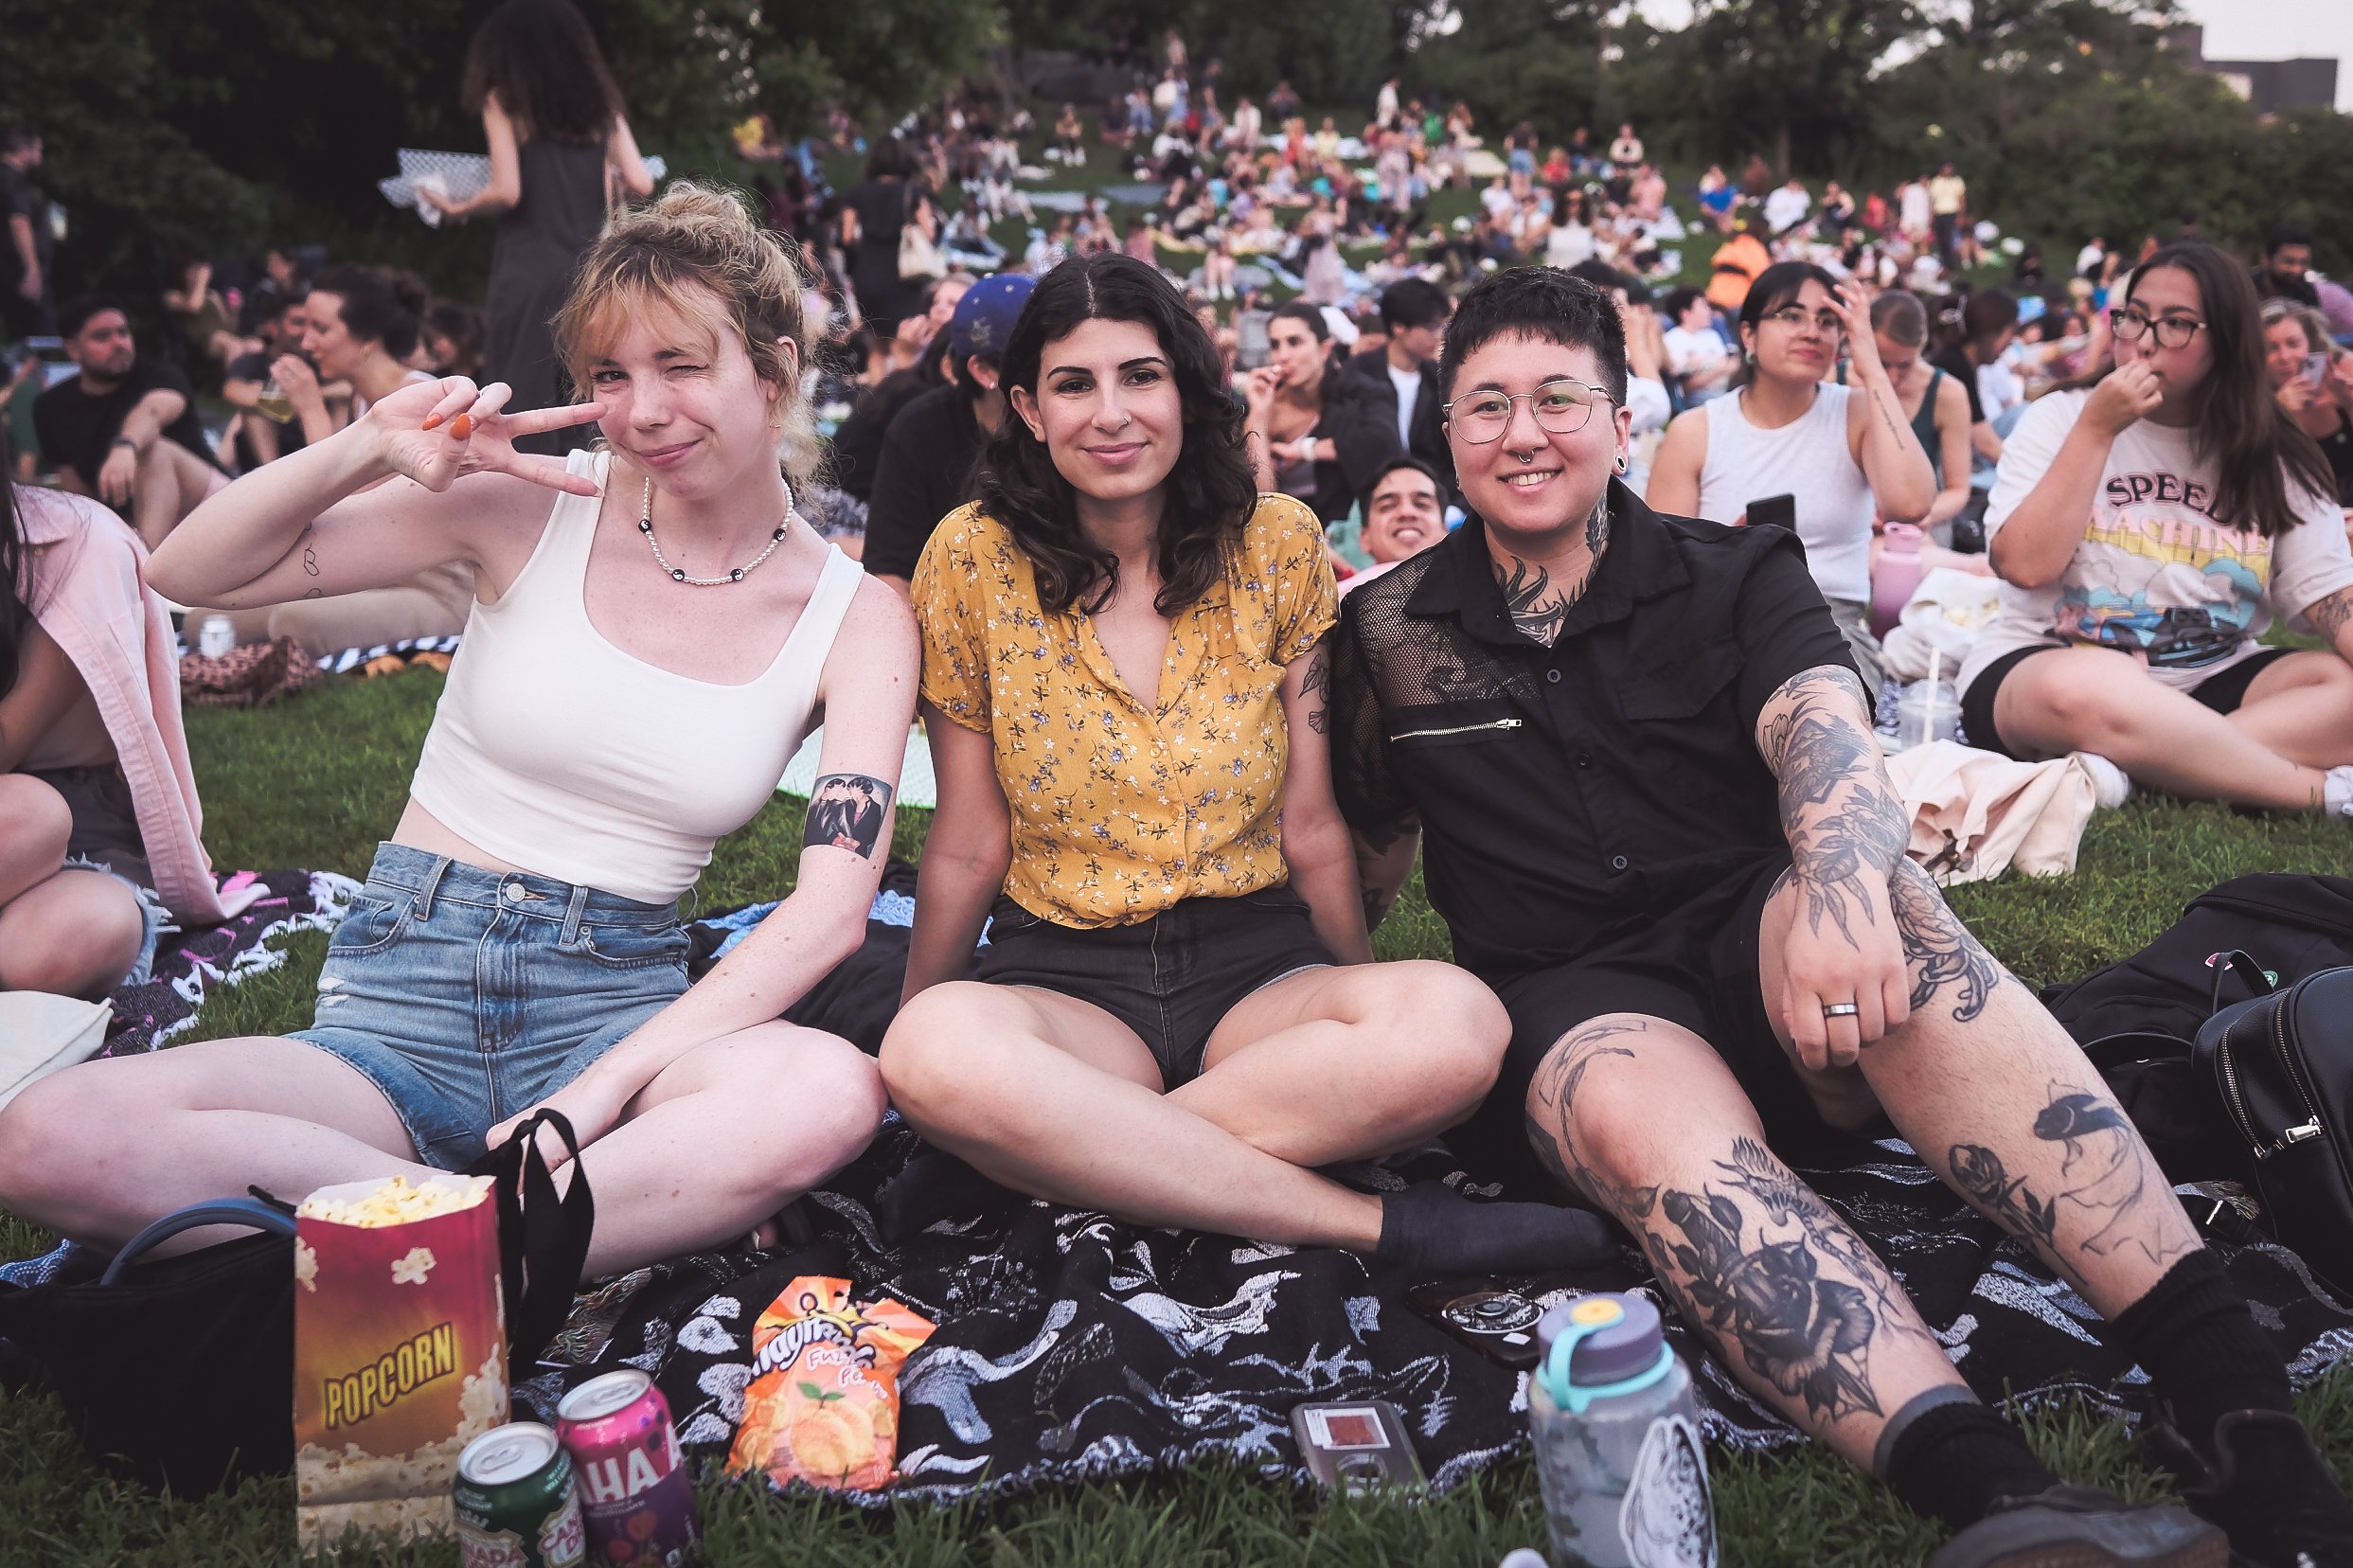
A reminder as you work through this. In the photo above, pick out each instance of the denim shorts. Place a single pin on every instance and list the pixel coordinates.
(467, 995)
(1172, 978)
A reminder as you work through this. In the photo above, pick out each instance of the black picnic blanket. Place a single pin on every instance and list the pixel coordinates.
(1070, 1346)
(190, 963)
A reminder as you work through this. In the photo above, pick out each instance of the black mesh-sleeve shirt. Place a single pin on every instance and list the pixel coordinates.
(1610, 778)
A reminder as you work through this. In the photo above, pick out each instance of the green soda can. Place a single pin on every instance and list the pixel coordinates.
(515, 1501)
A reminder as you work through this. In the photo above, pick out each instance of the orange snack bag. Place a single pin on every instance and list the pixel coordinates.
(823, 1405)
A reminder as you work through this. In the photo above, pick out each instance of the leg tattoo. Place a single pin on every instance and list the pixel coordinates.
(1983, 1179)
(1939, 947)
(2108, 1168)
(1556, 1087)
(1788, 1200)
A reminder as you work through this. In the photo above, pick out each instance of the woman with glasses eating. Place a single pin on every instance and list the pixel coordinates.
(2149, 525)
(1815, 456)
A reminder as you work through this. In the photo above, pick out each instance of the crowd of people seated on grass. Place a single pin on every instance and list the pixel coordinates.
(1604, 676)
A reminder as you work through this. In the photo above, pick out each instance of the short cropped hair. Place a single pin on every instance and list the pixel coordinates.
(1412, 302)
(1543, 303)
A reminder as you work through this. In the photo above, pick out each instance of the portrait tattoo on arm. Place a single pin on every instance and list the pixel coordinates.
(846, 811)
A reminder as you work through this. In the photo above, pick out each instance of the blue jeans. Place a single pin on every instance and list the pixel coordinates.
(466, 995)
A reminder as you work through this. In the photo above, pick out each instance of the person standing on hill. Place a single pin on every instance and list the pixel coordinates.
(560, 156)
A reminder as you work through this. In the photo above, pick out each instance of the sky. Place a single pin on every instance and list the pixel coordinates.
(2235, 29)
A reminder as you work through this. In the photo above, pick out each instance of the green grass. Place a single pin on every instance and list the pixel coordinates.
(316, 780)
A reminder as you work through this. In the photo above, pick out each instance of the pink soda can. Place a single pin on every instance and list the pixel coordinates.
(635, 1495)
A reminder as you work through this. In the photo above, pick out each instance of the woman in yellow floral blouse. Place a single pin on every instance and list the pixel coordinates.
(1178, 1016)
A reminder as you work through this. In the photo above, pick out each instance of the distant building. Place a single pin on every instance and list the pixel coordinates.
(2273, 87)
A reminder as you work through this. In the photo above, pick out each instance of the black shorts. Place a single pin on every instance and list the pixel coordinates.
(1172, 978)
(2223, 693)
(1696, 966)
(106, 819)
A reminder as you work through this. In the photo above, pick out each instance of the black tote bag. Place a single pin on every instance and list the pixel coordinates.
(179, 1373)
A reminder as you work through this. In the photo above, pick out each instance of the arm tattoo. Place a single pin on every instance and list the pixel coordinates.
(1847, 829)
(2329, 616)
(846, 811)
(1938, 948)
(1315, 687)
(310, 554)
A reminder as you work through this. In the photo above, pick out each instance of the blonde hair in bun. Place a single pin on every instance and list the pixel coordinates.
(689, 248)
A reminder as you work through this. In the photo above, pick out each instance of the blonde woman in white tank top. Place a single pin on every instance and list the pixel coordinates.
(517, 942)
(1843, 453)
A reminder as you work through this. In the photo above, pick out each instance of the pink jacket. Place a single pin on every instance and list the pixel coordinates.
(86, 591)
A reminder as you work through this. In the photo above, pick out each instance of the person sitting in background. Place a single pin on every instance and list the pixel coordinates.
(2285, 271)
(929, 453)
(266, 427)
(2149, 528)
(1658, 823)
(201, 311)
(1787, 206)
(360, 325)
(1394, 383)
(655, 645)
(453, 339)
(1702, 363)
(1404, 514)
(1931, 399)
(1840, 454)
(1308, 428)
(88, 683)
(1988, 324)
(2313, 379)
(1177, 1020)
(125, 429)
(1737, 264)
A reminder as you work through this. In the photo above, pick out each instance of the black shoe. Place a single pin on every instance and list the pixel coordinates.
(2080, 1527)
(2263, 1479)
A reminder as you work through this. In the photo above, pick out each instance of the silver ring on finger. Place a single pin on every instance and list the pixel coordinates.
(1841, 1009)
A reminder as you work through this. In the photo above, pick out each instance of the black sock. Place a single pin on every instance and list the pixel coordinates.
(929, 1188)
(2204, 1356)
(1430, 1225)
(1956, 1460)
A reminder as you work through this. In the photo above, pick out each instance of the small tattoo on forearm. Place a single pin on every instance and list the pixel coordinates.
(1315, 688)
(846, 811)
(2328, 617)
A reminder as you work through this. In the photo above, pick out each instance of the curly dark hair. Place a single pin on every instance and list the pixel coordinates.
(540, 59)
(386, 304)
(1208, 495)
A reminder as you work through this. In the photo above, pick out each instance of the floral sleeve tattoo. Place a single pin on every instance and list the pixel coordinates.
(1847, 829)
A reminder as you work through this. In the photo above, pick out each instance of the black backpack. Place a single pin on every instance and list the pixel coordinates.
(2139, 1020)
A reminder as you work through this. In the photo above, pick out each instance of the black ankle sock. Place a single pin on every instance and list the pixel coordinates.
(1956, 1460)
(929, 1188)
(1430, 1225)
(2204, 1356)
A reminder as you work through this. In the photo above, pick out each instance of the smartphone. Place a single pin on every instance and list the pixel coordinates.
(2315, 367)
(1356, 1446)
(1780, 509)
(1497, 1323)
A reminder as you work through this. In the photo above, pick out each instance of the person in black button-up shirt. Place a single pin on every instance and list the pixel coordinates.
(1658, 824)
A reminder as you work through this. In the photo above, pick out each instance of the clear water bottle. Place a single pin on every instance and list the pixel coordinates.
(1617, 1440)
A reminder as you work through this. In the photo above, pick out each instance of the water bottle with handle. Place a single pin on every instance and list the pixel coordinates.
(1617, 1431)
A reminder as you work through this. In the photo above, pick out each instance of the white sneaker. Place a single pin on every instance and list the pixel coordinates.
(2336, 792)
(2110, 787)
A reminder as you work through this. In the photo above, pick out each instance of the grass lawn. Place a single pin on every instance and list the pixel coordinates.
(314, 781)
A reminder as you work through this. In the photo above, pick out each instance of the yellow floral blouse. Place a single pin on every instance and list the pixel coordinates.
(1123, 807)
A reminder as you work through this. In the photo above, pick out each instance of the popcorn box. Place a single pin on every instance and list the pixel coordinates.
(399, 1352)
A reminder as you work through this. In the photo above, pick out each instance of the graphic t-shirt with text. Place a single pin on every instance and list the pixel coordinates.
(2155, 575)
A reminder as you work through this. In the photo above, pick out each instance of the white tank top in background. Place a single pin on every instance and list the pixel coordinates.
(1809, 459)
(559, 753)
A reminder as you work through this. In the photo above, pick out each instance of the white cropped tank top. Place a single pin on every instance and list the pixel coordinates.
(557, 752)
(1807, 458)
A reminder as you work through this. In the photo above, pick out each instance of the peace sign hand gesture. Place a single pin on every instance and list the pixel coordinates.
(436, 432)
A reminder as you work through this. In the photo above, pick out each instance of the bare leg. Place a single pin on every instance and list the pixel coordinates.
(35, 826)
(723, 1137)
(76, 934)
(1056, 1097)
(2096, 700)
(2003, 1106)
(96, 1151)
(1644, 1118)
(2302, 707)
(170, 482)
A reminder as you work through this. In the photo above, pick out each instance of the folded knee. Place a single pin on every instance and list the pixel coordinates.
(35, 822)
(941, 1050)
